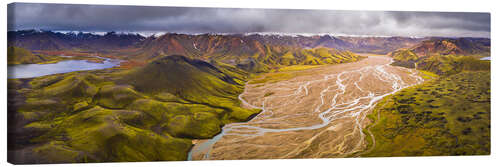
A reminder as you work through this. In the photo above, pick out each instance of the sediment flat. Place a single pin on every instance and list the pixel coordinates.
(318, 113)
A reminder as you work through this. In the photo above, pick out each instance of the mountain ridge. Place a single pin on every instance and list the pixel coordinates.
(305, 41)
(445, 56)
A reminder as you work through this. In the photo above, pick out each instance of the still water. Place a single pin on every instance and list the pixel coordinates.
(36, 70)
(486, 58)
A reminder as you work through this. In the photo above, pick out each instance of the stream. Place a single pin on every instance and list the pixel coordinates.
(341, 83)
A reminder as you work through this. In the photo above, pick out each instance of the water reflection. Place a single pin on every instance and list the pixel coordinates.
(36, 70)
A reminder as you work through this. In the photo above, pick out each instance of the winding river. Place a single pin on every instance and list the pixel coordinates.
(319, 113)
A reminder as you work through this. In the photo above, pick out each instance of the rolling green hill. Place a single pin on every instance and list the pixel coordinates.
(453, 46)
(252, 55)
(149, 112)
(445, 56)
(186, 87)
(447, 116)
(145, 114)
(16, 55)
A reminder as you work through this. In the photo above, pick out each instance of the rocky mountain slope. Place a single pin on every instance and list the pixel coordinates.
(49, 40)
(445, 56)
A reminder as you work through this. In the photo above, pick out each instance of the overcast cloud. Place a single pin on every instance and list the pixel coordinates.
(65, 17)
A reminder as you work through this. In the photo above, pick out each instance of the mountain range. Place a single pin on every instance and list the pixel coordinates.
(252, 52)
(50, 40)
(445, 56)
(184, 87)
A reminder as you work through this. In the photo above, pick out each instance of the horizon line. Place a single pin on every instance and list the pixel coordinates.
(268, 33)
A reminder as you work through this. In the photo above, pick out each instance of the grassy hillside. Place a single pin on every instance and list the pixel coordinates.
(439, 64)
(277, 58)
(256, 54)
(447, 116)
(479, 47)
(16, 55)
(194, 81)
(445, 56)
(145, 114)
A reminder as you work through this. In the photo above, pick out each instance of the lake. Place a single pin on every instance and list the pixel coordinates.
(37, 70)
(486, 58)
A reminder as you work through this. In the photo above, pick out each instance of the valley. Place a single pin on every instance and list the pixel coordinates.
(97, 83)
(318, 113)
(240, 96)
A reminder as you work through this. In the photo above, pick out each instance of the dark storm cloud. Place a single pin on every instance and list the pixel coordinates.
(223, 20)
(467, 21)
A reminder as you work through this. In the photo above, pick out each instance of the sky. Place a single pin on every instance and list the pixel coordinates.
(103, 18)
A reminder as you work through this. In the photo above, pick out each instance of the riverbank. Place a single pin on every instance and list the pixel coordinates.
(320, 106)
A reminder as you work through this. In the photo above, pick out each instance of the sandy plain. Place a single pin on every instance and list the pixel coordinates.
(318, 113)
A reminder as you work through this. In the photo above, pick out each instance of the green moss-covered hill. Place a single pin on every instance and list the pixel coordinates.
(447, 116)
(146, 114)
(256, 58)
(16, 55)
(255, 54)
(453, 46)
(276, 57)
(445, 56)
